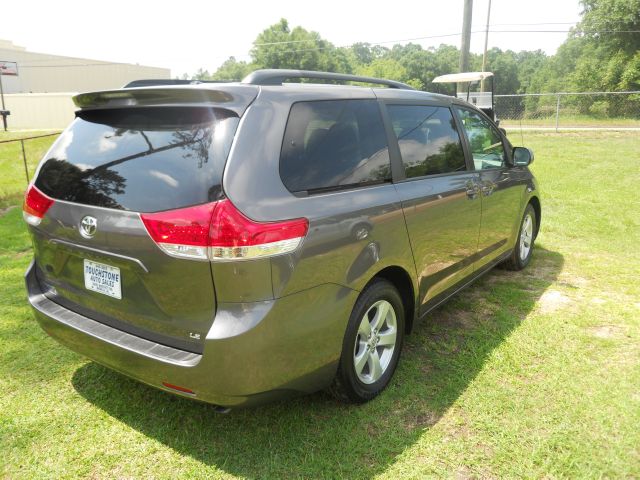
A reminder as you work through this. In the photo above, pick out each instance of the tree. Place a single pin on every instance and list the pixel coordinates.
(233, 70)
(383, 68)
(280, 47)
(613, 24)
(529, 64)
(365, 53)
(601, 53)
(504, 66)
(201, 75)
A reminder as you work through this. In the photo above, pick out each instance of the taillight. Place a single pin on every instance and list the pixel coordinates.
(234, 236)
(35, 205)
(218, 231)
(183, 232)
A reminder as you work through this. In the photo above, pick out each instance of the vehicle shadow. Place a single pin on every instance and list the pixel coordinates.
(315, 436)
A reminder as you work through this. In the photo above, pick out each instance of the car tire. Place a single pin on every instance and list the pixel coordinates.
(372, 344)
(521, 255)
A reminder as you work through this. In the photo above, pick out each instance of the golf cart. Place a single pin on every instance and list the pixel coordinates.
(482, 100)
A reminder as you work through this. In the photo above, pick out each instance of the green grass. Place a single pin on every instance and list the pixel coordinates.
(13, 179)
(528, 374)
(569, 120)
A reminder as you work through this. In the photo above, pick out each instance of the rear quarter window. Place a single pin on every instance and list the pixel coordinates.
(334, 144)
(140, 159)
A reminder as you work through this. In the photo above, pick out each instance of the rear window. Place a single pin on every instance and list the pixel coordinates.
(428, 139)
(333, 144)
(142, 159)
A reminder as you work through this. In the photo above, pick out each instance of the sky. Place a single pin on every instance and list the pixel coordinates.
(187, 35)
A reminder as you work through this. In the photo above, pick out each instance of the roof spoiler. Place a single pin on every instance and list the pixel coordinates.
(154, 82)
(235, 98)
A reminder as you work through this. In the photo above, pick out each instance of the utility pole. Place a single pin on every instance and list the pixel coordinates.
(466, 35)
(4, 114)
(486, 42)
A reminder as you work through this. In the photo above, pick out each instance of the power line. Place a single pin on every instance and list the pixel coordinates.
(370, 43)
(450, 35)
(432, 36)
(531, 24)
(474, 32)
(22, 65)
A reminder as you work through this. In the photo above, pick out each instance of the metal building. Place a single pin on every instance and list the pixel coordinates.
(45, 73)
(39, 97)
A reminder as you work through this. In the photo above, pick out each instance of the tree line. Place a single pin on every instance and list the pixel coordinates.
(601, 53)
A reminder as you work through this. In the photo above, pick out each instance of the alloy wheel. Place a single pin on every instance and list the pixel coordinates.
(526, 237)
(375, 342)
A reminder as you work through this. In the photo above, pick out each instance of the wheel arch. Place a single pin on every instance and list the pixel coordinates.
(535, 203)
(401, 279)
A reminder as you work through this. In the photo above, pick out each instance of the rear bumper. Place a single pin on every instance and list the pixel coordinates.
(254, 352)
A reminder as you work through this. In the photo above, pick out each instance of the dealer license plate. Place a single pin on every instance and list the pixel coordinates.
(103, 279)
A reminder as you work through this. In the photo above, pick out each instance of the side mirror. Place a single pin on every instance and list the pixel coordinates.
(522, 156)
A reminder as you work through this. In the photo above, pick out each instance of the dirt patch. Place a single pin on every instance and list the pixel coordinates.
(553, 300)
(572, 281)
(542, 272)
(420, 421)
(463, 473)
(6, 210)
(457, 319)
(607, 331)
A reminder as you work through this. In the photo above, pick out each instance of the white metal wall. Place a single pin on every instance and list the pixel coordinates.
(43, 73)
(39, 110)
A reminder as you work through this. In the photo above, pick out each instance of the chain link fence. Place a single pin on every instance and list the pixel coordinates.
(18, 160)
(557, 111)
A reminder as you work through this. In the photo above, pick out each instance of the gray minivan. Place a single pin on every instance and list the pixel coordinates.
(240, 242)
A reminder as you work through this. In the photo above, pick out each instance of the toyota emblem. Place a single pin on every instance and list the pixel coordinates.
(88, 226)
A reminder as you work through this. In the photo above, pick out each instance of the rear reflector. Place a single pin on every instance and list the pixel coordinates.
(35, 205)
(219, 231)
(178, 388)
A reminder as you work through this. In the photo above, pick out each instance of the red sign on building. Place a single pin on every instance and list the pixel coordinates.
(8, 68)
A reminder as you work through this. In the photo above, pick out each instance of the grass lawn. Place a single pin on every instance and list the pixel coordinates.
(567, 121)
(529, 374)
(13, 181)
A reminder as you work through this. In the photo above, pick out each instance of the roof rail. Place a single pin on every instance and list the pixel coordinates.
(277, 77)
(151, 82)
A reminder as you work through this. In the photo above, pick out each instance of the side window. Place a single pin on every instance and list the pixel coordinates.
(428, 139)
(334, 143)
(485, 142)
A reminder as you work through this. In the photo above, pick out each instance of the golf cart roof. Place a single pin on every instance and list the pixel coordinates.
(462, 77)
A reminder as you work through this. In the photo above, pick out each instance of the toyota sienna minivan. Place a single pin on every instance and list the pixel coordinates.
(236, 243)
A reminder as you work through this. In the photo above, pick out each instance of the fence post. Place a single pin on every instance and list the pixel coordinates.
(24, 160)
(557, 112)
